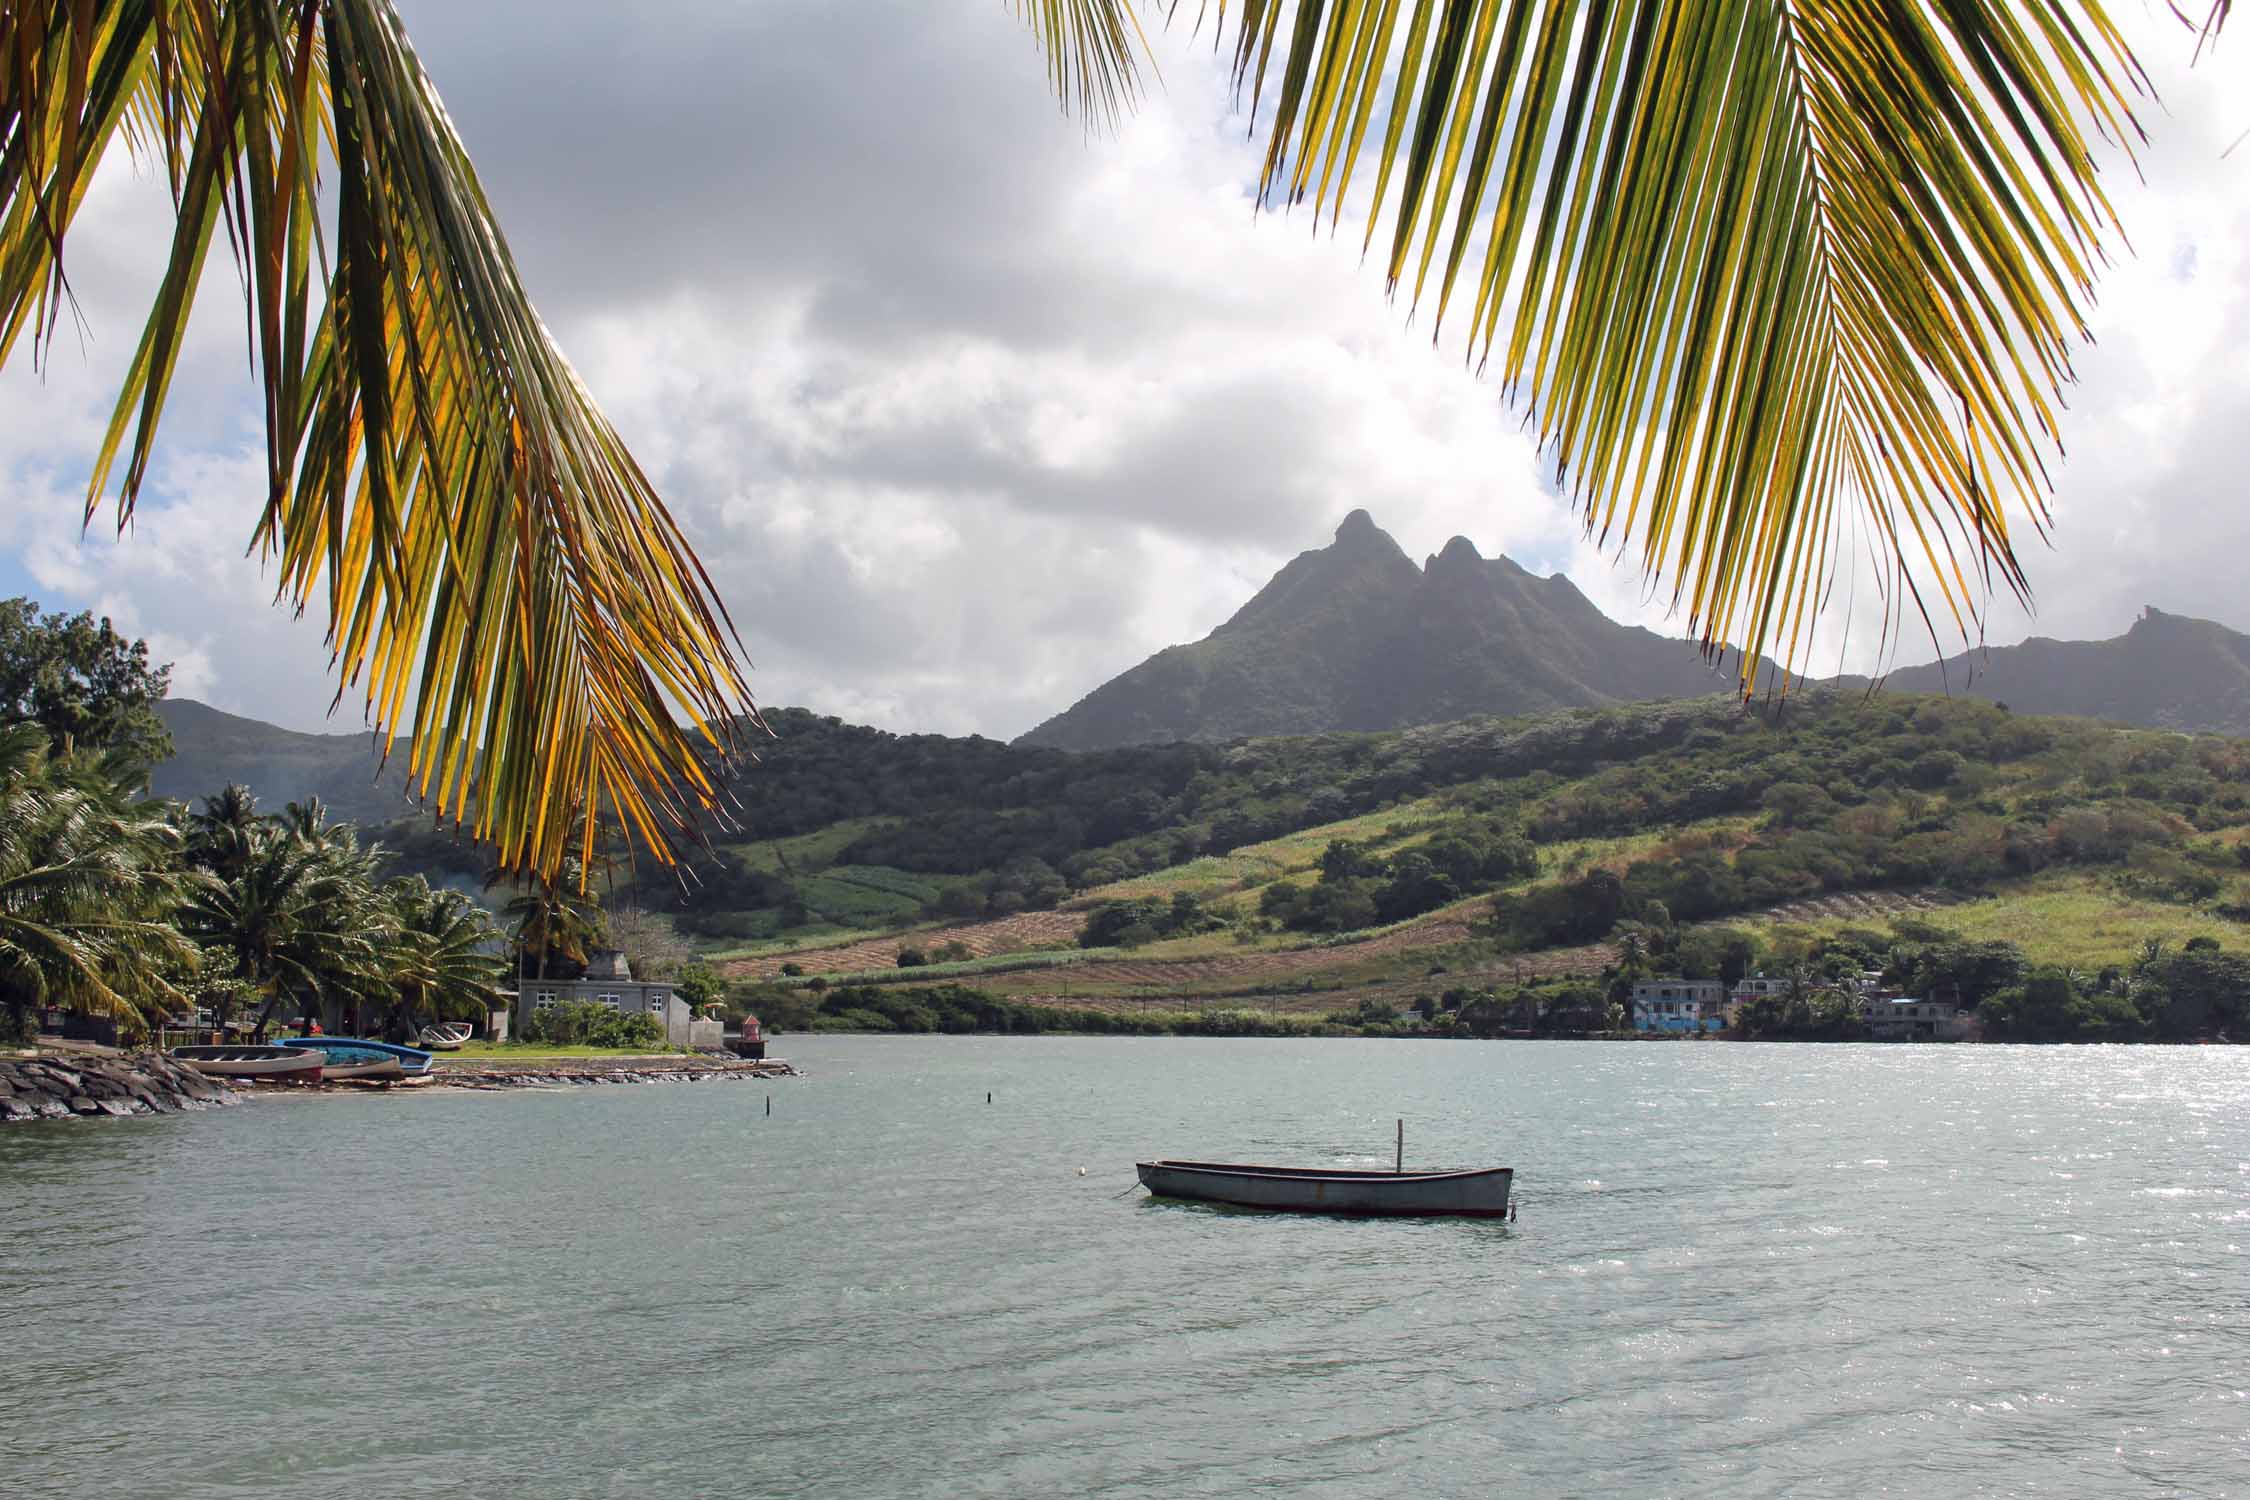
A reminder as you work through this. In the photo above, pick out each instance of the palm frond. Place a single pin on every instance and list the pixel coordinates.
(1093, 48)
(496, 570)
(1764, 272)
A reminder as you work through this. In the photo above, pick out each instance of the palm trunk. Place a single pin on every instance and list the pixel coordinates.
(265, 1015)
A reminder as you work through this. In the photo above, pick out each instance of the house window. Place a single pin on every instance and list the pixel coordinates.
(545, 1000)
(610, 1000)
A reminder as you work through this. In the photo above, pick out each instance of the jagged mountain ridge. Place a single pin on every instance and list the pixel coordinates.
(2166, 672)
(1355, 636)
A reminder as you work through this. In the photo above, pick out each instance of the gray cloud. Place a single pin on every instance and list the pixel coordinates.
(968, 412)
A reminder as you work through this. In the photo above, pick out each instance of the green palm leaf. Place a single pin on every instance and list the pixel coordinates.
(1769, 273)
(495, 569)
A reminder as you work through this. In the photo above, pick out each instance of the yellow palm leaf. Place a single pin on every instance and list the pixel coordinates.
(497, 572)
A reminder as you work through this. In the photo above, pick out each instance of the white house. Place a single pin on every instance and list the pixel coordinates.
(1909, 1020)
(1758, 987)
(1680, 1005)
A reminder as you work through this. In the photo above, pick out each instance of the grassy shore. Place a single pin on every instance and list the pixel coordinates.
(483, 1052)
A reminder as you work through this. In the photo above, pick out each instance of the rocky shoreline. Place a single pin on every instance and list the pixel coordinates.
(580, 1071)
(67, 1085)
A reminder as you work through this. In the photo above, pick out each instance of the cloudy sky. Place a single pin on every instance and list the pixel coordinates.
(968, 412)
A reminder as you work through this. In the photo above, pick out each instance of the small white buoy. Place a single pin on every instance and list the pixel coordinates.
(1081, 1171)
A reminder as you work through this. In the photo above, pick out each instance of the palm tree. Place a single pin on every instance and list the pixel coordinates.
(552, 919)
(1632, 956)
(1766, 271)
(220, 836)
(443, 956)
(299, 918)
(88, 884)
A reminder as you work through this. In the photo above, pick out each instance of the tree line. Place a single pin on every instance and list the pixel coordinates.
(134, 909)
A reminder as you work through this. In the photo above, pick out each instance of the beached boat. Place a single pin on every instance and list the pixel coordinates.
(1478, 1193)
(268, 1064)
(348, 1061)
(413, 1062)
(445, 1036)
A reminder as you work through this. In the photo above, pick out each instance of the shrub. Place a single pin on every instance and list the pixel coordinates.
(637, 1032)
(582, 1023)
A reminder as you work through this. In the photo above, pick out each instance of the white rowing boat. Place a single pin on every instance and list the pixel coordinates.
(269, 1064)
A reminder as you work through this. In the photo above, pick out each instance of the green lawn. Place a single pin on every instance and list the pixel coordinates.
(476, 1052)
(1292, 854)
(2073, 918)
(868, 896)
(1296, 856)
(807, 852)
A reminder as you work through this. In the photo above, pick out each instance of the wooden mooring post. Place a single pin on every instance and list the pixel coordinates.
(1398, 1166)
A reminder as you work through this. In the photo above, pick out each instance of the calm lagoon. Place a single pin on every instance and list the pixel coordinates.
(1739, 1270)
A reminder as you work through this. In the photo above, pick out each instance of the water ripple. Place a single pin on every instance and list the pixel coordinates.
(1740, 1271)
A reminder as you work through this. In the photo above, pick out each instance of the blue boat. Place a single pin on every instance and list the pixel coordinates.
(363, 1057)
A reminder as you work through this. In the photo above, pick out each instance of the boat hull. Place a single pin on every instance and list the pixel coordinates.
(269, 1064)
(413, 1062)
(1477, 1194)
(368, 1070)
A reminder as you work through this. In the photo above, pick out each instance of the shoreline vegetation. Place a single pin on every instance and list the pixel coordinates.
(2053, 879)
(1458, 1016)
(71, 1081)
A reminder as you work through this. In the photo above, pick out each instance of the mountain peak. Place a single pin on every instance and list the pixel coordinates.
(1359, 526)
(1355, 637)
(1460, 552)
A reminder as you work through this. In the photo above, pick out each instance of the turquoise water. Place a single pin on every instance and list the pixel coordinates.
(1738, 1270)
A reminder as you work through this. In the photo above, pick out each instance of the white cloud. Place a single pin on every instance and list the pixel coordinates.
(968, 413)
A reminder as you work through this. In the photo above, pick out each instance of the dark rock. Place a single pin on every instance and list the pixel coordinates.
(116, 1106)
(86, 1105)
(55, 1109)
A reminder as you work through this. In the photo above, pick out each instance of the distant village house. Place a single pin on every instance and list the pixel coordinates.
(1681, 1005)
(609, 981)
(1905, 1020)
(1687, 1005)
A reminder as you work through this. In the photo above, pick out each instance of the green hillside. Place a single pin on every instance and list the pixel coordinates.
(1527, 868)
(1306, 872)
(1546, 831)
(211, 749)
